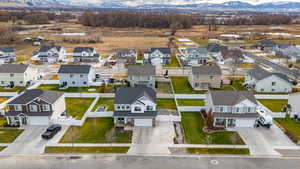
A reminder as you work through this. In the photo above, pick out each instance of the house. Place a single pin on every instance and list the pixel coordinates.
(263, 81)
(7, 55)
(293, 101)
(232, 108)
(195, 56)
(76, 75)
(36, 107)
(266, 45)
(141, 75)
(231, 57)
(135, 106)
(214, 50)
(127, 56)
(205, 76)
(51, 54)
(290, 52)
(18, 75)
(85, 54)
(158, 56)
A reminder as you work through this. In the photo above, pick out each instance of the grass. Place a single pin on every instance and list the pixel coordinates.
(174, 62)
(164, 87)
(140, 57)
(201, 41)
(106, 102)
(290, 125)
(2, 121)
(2, 148)
(90, 150)
(238, 151)
(78, 106)
(166, 104)
(193, 123)
(182, 86)
(96, 130)
(15, 89)
(190, 102)
(97, 89)
(248, 65)
(274, 105)
(238, 83)
(8, 135)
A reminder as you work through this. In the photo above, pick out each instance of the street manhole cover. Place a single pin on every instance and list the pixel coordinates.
(214, 162)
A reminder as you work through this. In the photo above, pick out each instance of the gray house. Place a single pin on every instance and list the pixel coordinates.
(231, 57)
(195, 56)
(266, 45)
(85, 54)
(205, 76)
(76, 75)
(7, 54)
(141, 75)
(158, 56)
(51, 54)
(127, 56)
(135, 106)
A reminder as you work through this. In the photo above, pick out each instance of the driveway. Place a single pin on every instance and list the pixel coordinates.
(152, 140)
(30, 141)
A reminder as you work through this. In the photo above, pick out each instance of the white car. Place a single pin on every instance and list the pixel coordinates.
(264, 119)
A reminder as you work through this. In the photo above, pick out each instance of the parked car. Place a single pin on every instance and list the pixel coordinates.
(51, 131)
(264, 119)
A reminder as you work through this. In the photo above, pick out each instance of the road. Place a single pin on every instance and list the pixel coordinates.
(138, 162)
(279, 68)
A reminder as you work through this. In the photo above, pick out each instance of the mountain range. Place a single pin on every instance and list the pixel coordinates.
(254, 5)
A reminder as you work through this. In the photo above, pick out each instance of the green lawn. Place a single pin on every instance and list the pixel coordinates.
(193, 123)
(2, 121)
(164, 87)
(96, 130)
(106, 102)
(274, 105)
(190, 102)
(238, 151)
(78, 106)
(96, 89)
(182, 86)
(200, 41)
(290, 125)
(140, 57)
(238, 83)
(174, 62)
(2, 148)
(166, 104)
(8, 135)
(93, 150)
(15, 89)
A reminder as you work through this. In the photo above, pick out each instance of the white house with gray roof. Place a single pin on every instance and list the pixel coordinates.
(76, 75)
(205, 76)
(135, 106)
(232, 108)
(12, 75)
(85, 54)
(195, 56)
(141, 75)
(263, 81)
(7, 54)
(51, 54)
(158, 56)
(36, 107)
(127, 56)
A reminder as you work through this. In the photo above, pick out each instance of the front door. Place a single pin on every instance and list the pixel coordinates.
(12, 84)
(231, 123)
(23, 119)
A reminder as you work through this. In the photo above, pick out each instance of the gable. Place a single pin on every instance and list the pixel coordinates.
(273, 78)
(246, 102)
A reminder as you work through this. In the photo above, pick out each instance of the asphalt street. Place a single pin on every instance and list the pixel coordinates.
(140, 162)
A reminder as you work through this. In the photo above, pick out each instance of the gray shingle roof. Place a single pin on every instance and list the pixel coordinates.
(266, 43)
(128, 95)
(234, 53)
(13, 68)
(213, 47)
(260, 74)
(230, 98)
(83, 49)
(200, 50)
(206, 70)
(7, 49)
(75, 69)
(141, 70)
(46, 48)
(29, 95)
(162, 50)
(125, 52)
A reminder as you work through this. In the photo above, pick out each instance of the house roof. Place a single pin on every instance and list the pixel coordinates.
(266, 43)
(46, 48)
(214, 47)
(206, 70)
(200, 50)
(233, 53)
(162, 50)
(283, 45)
(7, 49)
(29, 95)
(75, 69)
(83, 49)
(128, 95)
(13, 68)
(141, 70)
(125, 52)
(260, 74)
(231, 98)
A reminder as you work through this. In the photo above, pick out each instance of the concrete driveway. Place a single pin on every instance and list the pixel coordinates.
(30, 141)
(152, 140)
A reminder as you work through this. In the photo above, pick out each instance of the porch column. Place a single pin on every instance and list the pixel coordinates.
(20, 121)
(8, 120)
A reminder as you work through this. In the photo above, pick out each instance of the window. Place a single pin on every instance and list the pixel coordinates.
(81, 76)
(2, 82)
(11, 75)
(273, 90)
(33, 108)
(119, 107)
(127, 107)
(136, 108)
(237, 109)
(249, 109)
(149, 108)
(21, 82)
(262, 90)
(197, 84)
(71, 75)
(73, 82)
(211, 77)
(123, 107)
(273, 83)
(18, 108)
(46, 107)
(84, 82)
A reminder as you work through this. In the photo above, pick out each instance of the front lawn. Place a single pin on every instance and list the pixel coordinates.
(193, 123)
(274, 105)
(76, 107)
(166, 104)
(90, 150)
(106, 102)
(291, 126)
(96, 130)
(164, 87)
(2, 121)
(15, 89)
(238, 83)
(8, 135)
(93, 89)
(190, 102)
(174, 62)
(182, 86)
(237, 151)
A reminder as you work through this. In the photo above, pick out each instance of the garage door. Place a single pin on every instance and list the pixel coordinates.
(142, 122)
(38, 121)
(245, 122)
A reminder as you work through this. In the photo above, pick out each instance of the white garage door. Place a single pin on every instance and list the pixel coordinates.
(38, 121)
(142, 122)
(245, 122)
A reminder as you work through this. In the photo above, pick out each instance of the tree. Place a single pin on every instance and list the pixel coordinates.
(210, 120)
(8, 35)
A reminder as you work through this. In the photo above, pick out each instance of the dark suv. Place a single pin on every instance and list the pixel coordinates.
(51, 131)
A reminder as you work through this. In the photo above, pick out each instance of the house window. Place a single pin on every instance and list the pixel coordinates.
(33, 108)
(46, 107)
(273, 83)
(71, 75)
(197, 84)
(81, 76)
(84, 82)
(262, 90)
(221, 109)
(273, 90)
(149, 108)
(18, 107)
(237, 109)
(136, 108)
(123, 107)
(2, 82)
(11, 75)
(73, 82)
(211, 77)
(220, 122)
(249, 109)
(119, 107)
(21, 82)
(127, 107)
